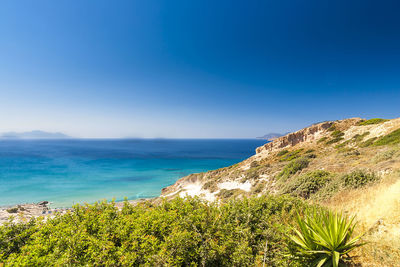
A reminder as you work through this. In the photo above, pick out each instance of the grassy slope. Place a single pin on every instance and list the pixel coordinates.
(377, 208)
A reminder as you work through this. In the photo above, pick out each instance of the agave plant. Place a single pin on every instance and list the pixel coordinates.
(325, 237)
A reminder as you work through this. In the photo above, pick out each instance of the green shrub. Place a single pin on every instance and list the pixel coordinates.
(387, 155)
(355, 179)
(254, 164)
(13, 236)
(358, 178)
(259, 187)
(211, 186)
(391, 139)
(252, 174)
(337, 133)
(229, 193)
(282, 152)
(332, 128)
(12, 210)
(292, 155)
(329, 190)
(293, 167)
(180, 232)
(324, 238)
(336, 137)
(359, 137)
(341, 145)
(371, 121)
(323, 139)
(334, 140)
(368, 142)
(307, 184)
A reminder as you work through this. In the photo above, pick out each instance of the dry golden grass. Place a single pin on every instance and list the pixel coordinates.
(377, 209)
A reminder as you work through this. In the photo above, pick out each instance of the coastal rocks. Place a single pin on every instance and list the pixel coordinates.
(25, 211)
(187, 180)
(43, 203)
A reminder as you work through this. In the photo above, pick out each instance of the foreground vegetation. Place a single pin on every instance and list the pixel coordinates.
(178, 232)
(183, 232)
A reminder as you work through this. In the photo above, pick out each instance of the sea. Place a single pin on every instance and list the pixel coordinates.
(70, 171)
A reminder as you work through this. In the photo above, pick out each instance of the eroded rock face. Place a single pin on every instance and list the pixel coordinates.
(309, 134)
(295, 138)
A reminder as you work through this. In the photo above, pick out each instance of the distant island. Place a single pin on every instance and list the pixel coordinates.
(36, 134)
(271, 136)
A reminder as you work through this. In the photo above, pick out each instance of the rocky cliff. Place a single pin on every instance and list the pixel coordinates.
(292, 139)
(336, 146)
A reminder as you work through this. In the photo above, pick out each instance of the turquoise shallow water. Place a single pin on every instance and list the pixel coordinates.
(76, 171)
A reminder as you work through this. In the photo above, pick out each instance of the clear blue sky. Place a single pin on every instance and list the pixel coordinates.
(226, 68)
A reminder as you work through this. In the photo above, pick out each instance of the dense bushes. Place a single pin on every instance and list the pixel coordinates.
(359, 137)
(320, 184)
(368, 142)
(211, 185)
(336, 137)
(252, 174)
(307, 184)
(291, 155)
(293, 167)
(372, 121)
(354, 179)
(282, 152)
(386, 155)
(391, 139)
(323, 139)
(178, 232)
(14, 236)
(358, 179)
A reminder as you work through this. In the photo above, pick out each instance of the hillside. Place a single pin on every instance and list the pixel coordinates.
(242, 215)
(352, 165)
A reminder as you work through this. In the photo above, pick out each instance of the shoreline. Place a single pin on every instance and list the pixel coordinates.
(43, 209)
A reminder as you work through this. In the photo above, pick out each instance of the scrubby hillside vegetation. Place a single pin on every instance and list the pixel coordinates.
(350, 165)
(299, 201)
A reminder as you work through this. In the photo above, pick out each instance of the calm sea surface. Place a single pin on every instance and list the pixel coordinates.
(76, 171)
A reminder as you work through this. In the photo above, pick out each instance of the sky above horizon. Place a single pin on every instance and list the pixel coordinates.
(195, 69)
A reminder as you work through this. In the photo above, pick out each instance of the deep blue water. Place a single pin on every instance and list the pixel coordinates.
(76, 171)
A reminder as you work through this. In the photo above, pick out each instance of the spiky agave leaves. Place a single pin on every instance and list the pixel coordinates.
(325, 236)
